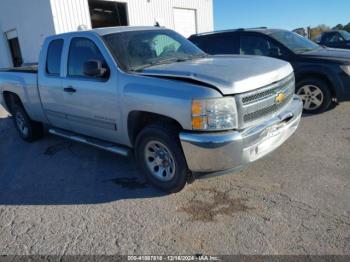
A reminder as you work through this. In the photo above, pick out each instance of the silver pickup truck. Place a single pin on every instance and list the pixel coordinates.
(149, 91)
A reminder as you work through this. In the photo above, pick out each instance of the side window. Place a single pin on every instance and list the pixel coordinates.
(222, 44)
(53, 59)
(340, 38)
(332, 38)
(256, 45)
(200, 42)
(82, 50)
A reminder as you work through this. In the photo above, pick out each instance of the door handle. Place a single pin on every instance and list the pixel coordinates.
(69, 89)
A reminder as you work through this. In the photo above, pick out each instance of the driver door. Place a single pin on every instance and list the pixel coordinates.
(91, 102)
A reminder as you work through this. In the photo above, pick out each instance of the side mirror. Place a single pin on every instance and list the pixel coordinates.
(275, 51)
(94, 68)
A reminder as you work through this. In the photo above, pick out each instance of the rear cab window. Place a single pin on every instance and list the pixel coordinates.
(54, 57)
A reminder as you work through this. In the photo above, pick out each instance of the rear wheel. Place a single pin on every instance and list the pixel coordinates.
(27, 129)
(159, 154)
(315, 94)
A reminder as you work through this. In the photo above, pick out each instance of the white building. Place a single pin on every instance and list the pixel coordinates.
(24, 24)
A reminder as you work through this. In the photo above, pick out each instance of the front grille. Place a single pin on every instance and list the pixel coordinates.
(260, 103)
(265, 111)
(258, 96)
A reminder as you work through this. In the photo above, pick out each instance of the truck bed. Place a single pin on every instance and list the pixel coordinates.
(23, 82)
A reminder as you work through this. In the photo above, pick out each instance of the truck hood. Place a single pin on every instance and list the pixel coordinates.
(230, 74)
(329, 53)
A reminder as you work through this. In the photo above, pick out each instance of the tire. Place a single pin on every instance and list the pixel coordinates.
(28, 130)
(316, 95)
(160, 157)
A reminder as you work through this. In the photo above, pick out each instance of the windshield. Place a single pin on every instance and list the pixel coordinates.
(346, 35)
(136, 50)
(294, 42)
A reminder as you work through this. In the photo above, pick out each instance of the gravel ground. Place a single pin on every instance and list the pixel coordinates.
(59, 197)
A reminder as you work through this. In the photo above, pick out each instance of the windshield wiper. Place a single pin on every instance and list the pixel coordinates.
(160, 62)
(199, 56)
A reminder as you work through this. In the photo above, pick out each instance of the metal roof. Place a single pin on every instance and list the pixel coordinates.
(112, 30)
(263, 30)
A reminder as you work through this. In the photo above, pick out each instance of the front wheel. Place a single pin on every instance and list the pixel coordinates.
(159, 154)
(315, 94)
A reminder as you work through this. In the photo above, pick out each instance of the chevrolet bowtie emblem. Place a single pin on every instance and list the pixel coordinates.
(280, 98)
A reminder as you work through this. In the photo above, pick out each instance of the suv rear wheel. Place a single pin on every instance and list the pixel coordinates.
(159, 154)
(315, 94)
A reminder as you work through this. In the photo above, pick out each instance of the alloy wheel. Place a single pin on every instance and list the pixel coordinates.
(312, 96)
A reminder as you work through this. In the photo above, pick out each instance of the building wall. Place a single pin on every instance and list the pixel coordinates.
(69, 15)
(147, 12)
(36, 19)
(33, 21)
(5, 59)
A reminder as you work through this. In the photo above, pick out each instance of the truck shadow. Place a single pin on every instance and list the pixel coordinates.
(54, 171)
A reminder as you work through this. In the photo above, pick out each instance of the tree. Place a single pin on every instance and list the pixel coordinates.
(316, 31)
(347, 27)
(338, 27)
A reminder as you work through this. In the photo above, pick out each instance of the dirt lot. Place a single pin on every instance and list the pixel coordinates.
(58, 197)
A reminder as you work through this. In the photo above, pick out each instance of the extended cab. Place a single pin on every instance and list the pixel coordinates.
(152, 92)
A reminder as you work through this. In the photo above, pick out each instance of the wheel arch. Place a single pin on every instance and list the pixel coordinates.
(10, 99)
(137, 120)
(300, 76)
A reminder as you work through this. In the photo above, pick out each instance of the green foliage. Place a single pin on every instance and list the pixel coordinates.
(338, 27)
(316, 31)
(347, 27)
(342, 27)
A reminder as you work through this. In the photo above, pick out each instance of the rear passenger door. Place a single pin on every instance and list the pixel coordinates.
(90, 101)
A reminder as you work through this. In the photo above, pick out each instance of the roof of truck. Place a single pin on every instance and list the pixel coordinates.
(120, 29)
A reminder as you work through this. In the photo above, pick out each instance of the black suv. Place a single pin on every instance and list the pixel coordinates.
(336, 39)
(322, 74)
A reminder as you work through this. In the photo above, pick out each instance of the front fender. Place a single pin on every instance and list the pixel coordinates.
(330, 74)
(170, 98)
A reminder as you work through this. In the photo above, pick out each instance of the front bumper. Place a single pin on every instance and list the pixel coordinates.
(212, 152)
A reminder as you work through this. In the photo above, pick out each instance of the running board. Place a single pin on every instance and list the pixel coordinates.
(110, 147)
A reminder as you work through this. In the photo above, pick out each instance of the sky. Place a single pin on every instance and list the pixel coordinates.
(284, 14)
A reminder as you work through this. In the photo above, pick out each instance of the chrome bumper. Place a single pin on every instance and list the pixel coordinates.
(212, 152)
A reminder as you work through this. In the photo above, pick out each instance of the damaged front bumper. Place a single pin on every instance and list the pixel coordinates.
(212, 152)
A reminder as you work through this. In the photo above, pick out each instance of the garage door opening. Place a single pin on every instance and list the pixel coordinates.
(108, 13)
(185, 21)
(15, 48)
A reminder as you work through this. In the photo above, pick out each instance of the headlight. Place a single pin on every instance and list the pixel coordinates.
(214, 114)
(346, 69)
